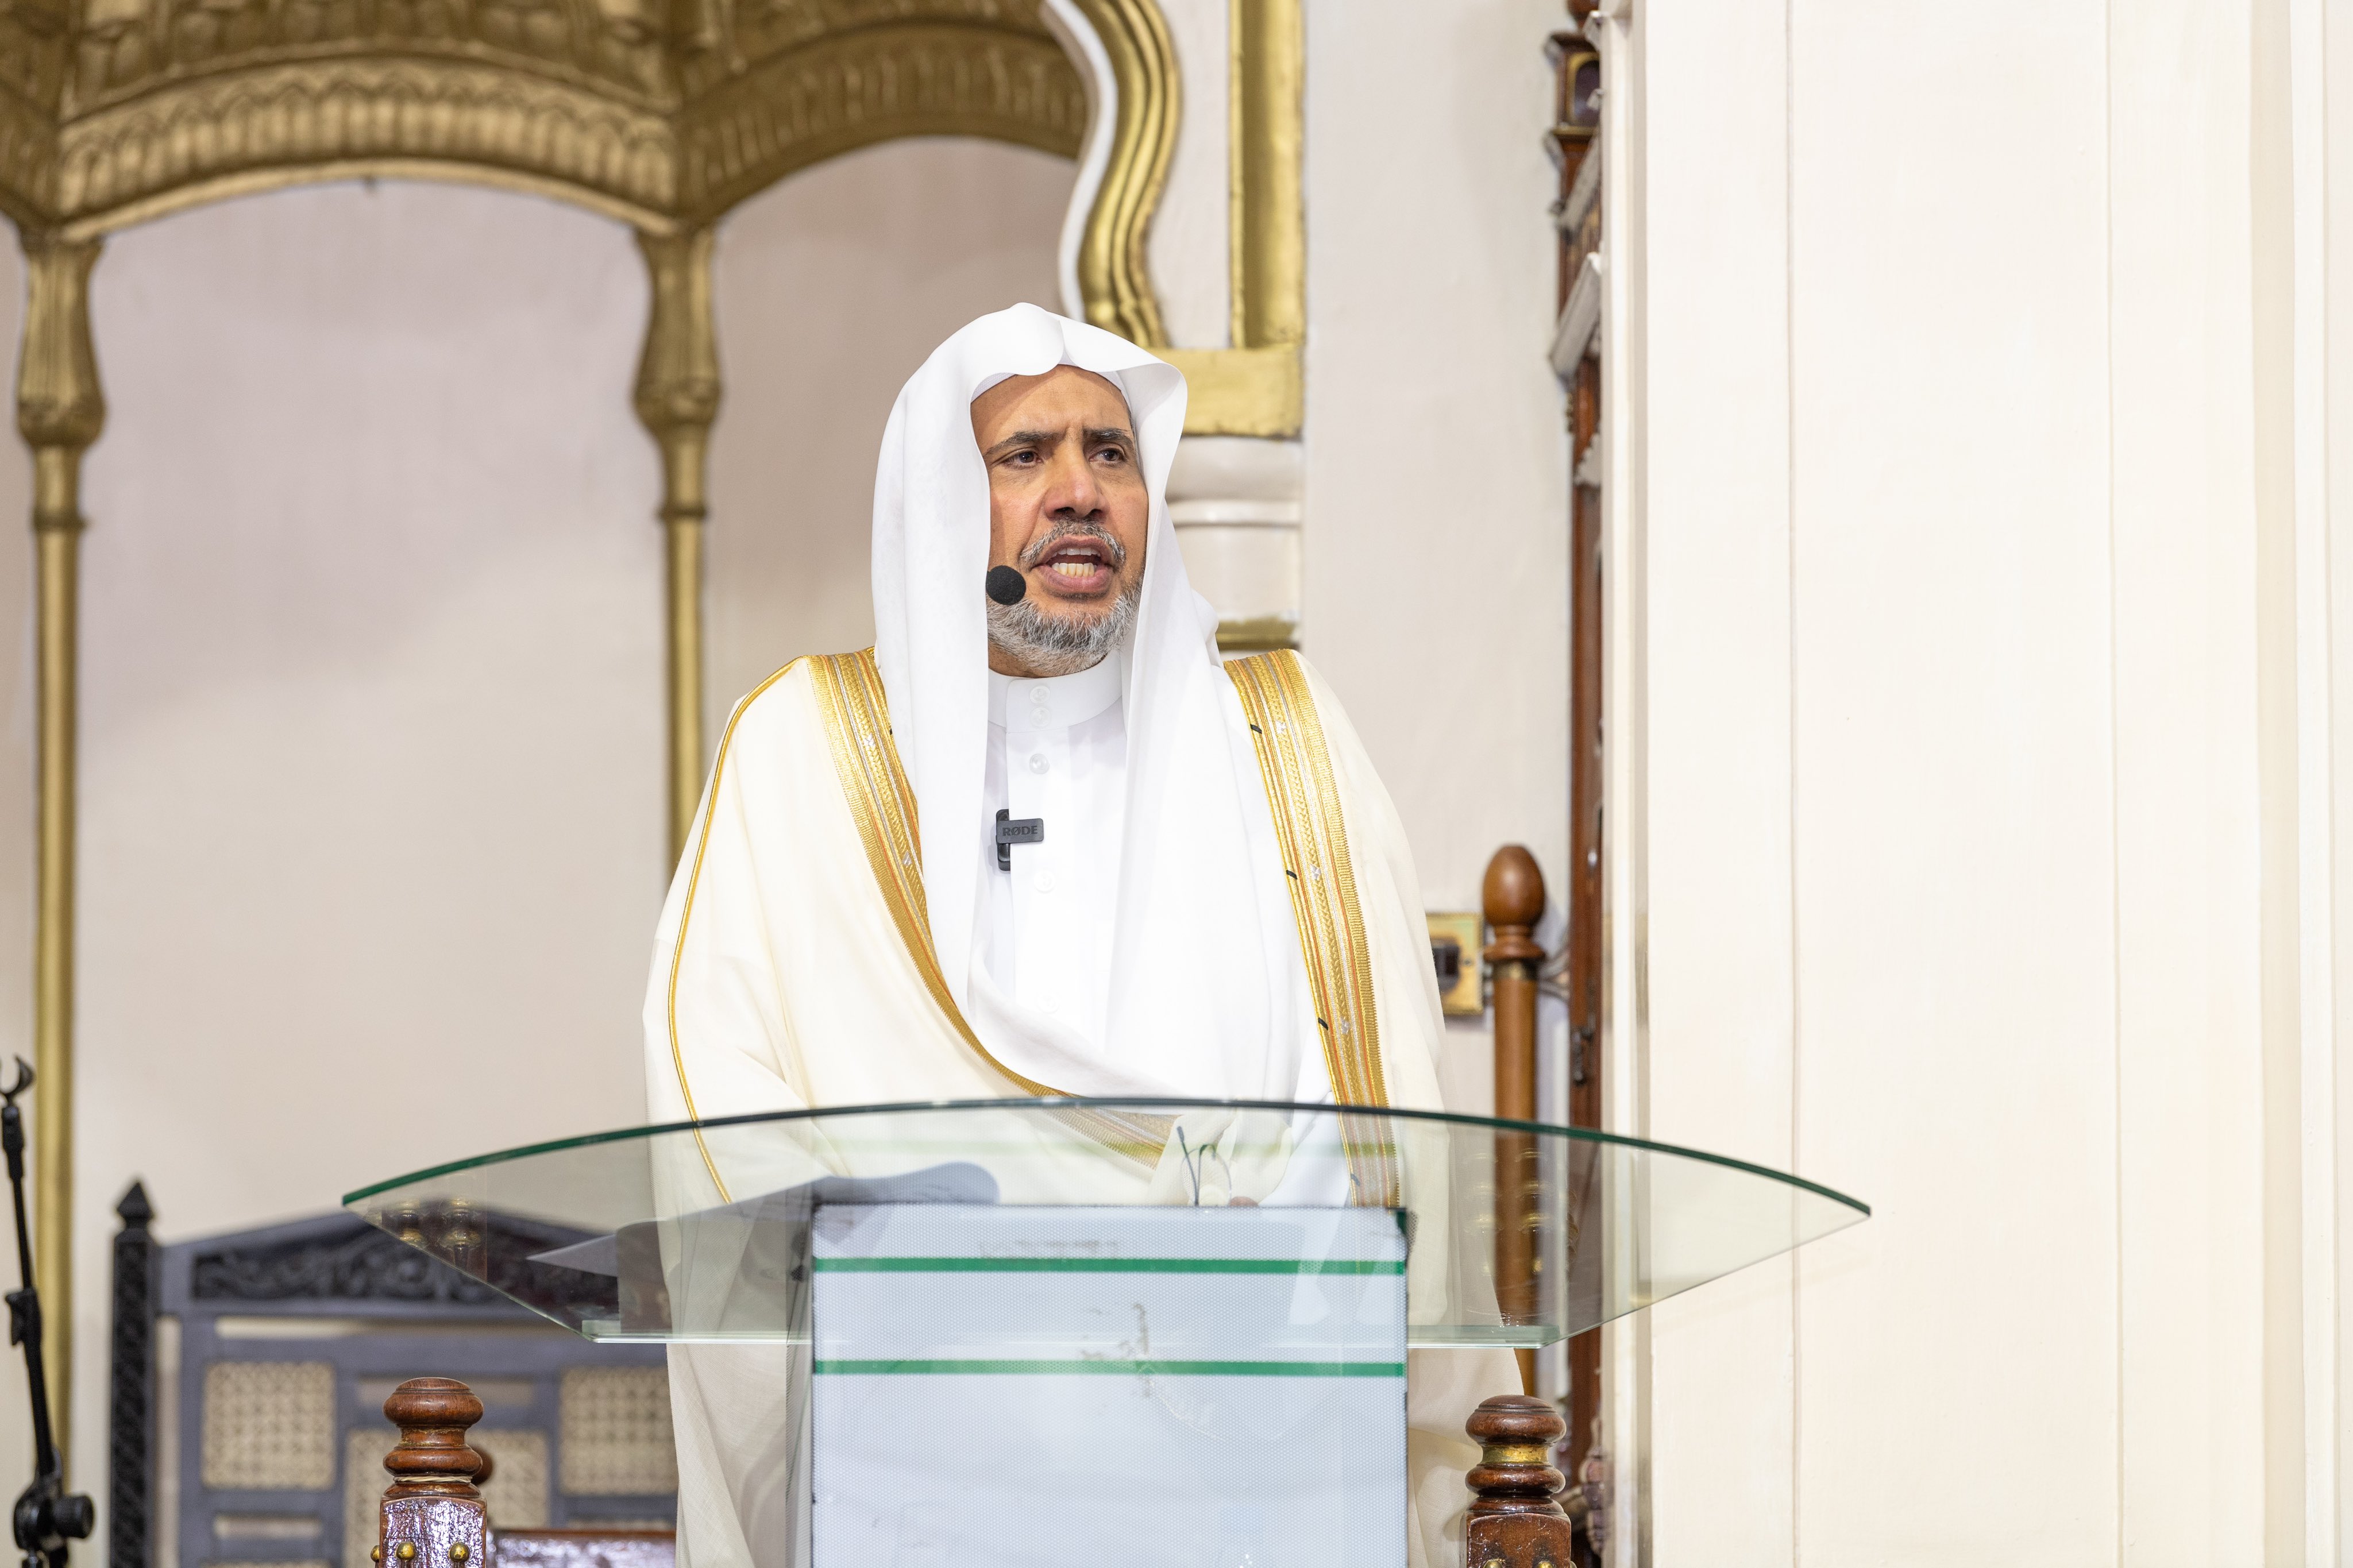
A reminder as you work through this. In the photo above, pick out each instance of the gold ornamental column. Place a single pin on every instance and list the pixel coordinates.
(678, 397)
(59, 412)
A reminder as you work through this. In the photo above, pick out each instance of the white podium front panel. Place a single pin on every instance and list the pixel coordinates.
(1040, 1387)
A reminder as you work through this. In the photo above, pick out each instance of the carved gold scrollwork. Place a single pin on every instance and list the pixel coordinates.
(663, 112)
(281, 124)
(828, 97)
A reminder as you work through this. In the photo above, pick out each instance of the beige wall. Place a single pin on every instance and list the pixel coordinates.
(2337, 64)
(371, 722)
(1437, 471)
(1981, 788)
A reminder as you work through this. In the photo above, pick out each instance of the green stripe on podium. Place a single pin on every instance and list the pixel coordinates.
(1114, 1368)
(1109, 1265)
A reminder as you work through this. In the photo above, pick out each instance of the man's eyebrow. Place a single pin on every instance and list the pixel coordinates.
(1046, 438)
(1049, 440)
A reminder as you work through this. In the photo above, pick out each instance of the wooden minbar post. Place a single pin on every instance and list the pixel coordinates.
(433, 1514)
(1577, 214)
(1514, 897)
(1514, 1521)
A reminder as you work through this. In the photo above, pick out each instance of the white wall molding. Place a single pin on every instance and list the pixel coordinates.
(2316, 1023)
(1237, 505)
(1625, 1048)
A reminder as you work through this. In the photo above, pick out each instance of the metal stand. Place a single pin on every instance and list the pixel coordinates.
(46, 1516)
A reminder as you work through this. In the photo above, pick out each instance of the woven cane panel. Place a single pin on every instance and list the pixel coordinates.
(616, 1435)
(364, 1483)
(270, 1426)
(516, 1497)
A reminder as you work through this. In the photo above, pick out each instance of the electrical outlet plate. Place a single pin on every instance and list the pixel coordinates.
(1467, 997)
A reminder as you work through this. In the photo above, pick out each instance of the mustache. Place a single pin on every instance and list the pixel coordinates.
(1075, 528)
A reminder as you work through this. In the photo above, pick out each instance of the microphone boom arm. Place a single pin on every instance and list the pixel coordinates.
(46, 1516)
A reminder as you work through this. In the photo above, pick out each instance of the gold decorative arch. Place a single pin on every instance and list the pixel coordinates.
(661, 113)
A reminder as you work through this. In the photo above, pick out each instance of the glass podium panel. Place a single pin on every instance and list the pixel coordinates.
(1036, 1231)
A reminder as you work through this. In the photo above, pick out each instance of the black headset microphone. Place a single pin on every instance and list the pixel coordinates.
(1006, 586)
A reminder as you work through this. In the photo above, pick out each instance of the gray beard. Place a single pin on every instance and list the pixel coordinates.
(1052, 646)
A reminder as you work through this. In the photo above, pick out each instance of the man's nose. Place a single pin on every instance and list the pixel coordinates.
(1074, 489)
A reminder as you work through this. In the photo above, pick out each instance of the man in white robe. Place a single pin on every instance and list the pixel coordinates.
(1222, 905)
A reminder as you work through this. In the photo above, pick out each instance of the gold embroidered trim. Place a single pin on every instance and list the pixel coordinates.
(686, 914)
(883, 803)
(1311, 833)
(1313, 839)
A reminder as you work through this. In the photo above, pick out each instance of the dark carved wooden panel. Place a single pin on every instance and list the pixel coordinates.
(369, 1267)
(131, 1391)
(401, 1311)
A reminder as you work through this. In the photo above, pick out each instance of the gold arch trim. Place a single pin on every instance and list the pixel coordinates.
(1258, 386)
(1112, 278)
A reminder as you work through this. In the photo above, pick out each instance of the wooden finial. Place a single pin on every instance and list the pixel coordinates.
(1513, 1520)
(432, 1514)
(432, 1459)
(1514, 897)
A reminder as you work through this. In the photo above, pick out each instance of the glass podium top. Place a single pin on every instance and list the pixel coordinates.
(1481, 1233)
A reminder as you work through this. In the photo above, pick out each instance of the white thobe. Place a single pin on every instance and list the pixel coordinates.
(798, 987)
(1058, 752)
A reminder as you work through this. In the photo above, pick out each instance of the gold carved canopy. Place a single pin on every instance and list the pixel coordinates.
(663, 113)
(657, 112)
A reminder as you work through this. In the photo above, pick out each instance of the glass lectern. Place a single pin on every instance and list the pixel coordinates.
(1180, 1331)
